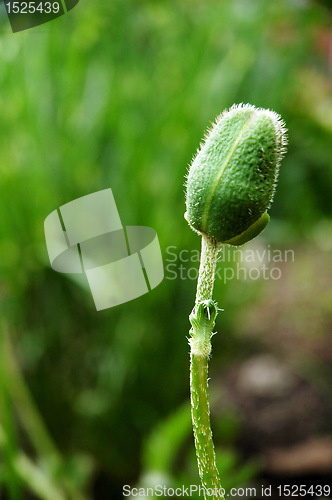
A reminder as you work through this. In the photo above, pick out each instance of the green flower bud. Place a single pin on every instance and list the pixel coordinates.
(232, 179)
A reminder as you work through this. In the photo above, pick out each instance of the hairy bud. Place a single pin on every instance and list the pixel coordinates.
(232, 179)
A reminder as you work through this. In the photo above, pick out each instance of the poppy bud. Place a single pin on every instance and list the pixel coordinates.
(232, 179)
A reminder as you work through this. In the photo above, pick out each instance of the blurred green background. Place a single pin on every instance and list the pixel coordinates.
(118, 94)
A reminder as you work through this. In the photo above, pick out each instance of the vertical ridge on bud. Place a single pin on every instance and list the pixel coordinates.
(232, 179)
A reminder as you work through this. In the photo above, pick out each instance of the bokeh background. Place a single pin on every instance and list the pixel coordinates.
(118, 94)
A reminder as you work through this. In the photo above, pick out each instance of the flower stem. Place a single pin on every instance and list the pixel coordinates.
(207, 270)
(202, 320)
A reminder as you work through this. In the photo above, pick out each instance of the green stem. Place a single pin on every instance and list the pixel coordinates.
(203, 320)
(207, 269)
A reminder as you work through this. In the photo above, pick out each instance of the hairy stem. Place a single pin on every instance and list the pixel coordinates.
(207, 269)
(203, 320)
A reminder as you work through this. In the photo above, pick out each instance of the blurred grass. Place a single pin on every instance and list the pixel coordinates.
(118, 95)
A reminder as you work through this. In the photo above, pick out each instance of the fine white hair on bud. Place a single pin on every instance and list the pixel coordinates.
(232, 179)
